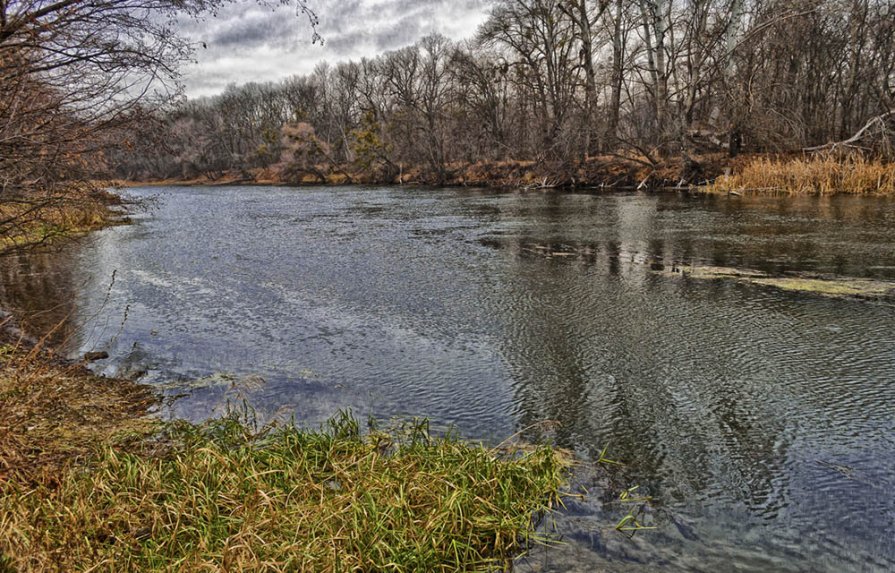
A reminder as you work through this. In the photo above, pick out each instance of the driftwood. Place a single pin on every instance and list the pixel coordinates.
(645, 179)
(543, 185)
(94, 356)
(852, 142)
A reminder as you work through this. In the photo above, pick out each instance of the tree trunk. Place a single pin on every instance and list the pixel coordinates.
(618, 62)
(590, 82)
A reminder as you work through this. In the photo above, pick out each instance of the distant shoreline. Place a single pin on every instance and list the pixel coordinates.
(746, 174)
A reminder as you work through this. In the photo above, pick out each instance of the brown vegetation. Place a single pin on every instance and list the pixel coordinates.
(34, 219)
(605, 172)
(809, 176)
(56, 414)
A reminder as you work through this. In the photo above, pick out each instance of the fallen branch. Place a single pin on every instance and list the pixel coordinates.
(543, 185)
(851, 141)
(645, 179)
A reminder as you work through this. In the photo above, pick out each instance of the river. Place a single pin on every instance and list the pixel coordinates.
(760, 422)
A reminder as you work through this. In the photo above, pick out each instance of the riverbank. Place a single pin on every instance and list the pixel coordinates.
(808, 176)
(27, 222)
(710, 173)
(57, 414)
(607, 172)
(89, 480)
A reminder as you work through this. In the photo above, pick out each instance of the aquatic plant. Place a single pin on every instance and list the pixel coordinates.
(632, 522)
(822, 285)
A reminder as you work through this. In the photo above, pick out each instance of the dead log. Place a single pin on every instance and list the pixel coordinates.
(852, 142)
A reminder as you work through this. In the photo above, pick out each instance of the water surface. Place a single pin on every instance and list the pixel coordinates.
(761, 422)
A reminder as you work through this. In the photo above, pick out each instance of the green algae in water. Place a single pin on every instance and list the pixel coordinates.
(844, 287)
(829, 286)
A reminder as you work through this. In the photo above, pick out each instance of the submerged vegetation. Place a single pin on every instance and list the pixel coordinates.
(830, 286)
(89, 484)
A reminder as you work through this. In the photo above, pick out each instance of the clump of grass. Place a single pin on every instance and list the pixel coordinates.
(821, 175)
(285, 499)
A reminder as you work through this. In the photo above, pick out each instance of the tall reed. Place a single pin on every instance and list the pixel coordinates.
(821, 175)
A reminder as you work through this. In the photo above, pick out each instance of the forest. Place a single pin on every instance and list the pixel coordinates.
(587, 91)
(556, 86)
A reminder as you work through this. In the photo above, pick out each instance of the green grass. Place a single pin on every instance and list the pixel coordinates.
(220, 496)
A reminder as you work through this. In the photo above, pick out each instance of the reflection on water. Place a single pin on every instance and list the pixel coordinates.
(38, 288)
(760, 421)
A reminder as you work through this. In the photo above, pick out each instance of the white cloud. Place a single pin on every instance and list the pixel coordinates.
(251, 43)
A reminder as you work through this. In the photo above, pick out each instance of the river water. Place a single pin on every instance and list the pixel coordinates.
(761, 423)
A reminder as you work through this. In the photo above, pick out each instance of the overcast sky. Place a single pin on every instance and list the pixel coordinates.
(246, 42)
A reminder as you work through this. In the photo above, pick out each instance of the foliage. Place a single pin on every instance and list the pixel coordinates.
(303, 152)
(370, 151)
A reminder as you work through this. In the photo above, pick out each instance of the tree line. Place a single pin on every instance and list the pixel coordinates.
(552, 81)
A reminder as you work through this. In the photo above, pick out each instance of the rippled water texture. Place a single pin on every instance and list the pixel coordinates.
(761, 422)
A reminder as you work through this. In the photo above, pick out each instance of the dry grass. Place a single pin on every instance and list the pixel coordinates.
(88, 483)
(812, 176)
(28, 221)
(54, 414)
(285, 499)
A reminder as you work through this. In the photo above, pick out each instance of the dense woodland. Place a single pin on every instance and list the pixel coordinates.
(551, 81)
(90, 88)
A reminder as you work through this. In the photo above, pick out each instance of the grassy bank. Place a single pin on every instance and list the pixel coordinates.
(89, 483)
(56, 414)
(35, 220)
(809, 176)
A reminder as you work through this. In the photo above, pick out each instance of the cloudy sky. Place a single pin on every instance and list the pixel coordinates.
(247, 42)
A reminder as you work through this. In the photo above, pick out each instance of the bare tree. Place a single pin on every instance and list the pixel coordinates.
(71, 73)
(553, 82)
